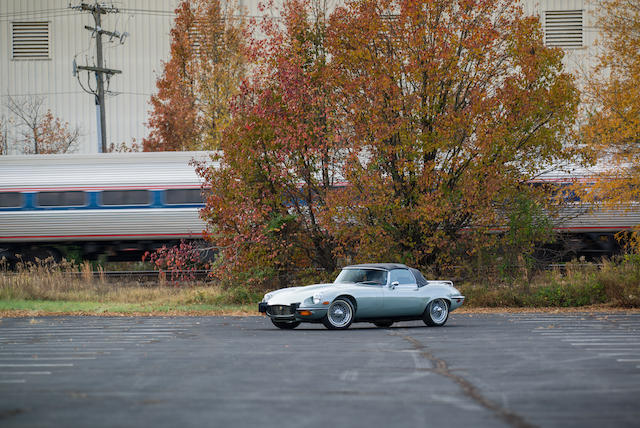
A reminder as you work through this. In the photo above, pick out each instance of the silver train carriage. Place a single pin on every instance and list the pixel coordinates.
(115, 205)
(119, 205)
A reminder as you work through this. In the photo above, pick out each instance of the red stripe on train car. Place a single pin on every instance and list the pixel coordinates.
(137, 235)
(97, 188)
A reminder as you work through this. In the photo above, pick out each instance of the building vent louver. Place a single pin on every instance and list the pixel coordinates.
(563, 29)
(30, 40)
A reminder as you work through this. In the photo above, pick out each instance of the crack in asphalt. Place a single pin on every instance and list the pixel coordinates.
(440, 367)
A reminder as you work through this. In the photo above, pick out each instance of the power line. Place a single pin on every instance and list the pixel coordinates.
(99, 70)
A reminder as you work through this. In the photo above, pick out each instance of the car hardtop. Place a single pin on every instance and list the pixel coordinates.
(420, 280)
(381, 266)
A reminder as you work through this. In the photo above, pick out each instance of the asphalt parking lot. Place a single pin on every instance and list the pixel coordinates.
(492, 370)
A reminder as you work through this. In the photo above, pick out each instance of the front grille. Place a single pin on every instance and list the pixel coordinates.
(280, 310)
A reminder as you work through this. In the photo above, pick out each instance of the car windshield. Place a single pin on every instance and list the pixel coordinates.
(364, 276)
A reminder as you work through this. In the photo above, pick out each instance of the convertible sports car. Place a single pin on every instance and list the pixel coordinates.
(381, 293)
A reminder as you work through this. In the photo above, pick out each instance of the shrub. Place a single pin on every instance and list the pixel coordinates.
(181, 262)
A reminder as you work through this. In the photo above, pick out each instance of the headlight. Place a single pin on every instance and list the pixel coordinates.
(317, 298)
(266, 297)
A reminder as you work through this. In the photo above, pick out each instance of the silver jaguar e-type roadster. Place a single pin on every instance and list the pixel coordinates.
(381, 293)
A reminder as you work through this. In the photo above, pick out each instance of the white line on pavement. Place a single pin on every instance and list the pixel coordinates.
(38, 365)
(13, 381)
(28, 354)
(45, 358)
(68, 347)
(24, 373)
(604, 333)
(607, 344)
(590, 339)
(613, 349)
(615, 354)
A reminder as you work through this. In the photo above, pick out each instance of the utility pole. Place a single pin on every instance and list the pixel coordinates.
(97, 10)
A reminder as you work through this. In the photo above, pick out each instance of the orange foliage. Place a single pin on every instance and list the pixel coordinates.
(436, 113)
(453, 106)
(202, 75)
(613, 101)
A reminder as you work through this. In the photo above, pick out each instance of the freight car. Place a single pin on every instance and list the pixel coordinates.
(115, 205)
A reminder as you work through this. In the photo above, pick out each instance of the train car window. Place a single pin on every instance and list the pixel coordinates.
(183, 196)
(61, 199)
(10, 199)
(126, 197)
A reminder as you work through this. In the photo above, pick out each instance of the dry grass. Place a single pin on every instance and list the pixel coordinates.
(614, 283)
(46, 281)
(44, 287)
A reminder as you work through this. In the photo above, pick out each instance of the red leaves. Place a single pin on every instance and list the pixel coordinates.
(181, 261)
(434, 112)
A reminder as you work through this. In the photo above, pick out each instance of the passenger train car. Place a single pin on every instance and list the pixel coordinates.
(114, 204)
(119, 205)
(583, 229)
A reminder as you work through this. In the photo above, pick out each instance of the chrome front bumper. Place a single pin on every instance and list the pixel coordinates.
(292, 312)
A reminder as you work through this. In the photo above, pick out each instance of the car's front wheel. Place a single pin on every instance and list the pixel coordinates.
(339, 314)
(286, 325)
(437, 313)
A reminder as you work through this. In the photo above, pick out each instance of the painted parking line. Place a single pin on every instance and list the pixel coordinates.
(29, 350)
(38, 365)
(607, 344)
(617, 354)
(628, 360)
(587, 333)
(45, 358)
(614, 338)
(87, 333)
(75, 342)
(613, 349)
(588, 340)
(28, 354)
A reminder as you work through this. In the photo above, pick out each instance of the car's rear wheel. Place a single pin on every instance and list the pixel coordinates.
(339, 314)
(286, 325)
(383, 324)
(437, 313)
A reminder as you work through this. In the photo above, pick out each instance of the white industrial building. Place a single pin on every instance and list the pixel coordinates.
(39, 40)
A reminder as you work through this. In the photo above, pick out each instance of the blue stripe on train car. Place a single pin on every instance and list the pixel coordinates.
(93, 203)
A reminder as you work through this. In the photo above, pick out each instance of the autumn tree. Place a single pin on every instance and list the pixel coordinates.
(612, 100)
(453, 105)
(389, 131)
(280, 155)
(206, 64)
(39, 131)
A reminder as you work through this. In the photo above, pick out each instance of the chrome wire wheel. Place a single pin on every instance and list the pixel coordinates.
(339, 314)
(437, 313)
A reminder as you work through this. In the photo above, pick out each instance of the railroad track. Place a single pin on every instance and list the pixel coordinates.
(135, 275)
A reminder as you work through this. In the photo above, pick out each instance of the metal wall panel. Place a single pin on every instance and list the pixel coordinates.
(576, 60)
(140, 59)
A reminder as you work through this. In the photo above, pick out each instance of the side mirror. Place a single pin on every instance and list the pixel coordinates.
(394, 284)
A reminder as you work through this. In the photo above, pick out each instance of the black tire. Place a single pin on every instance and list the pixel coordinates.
(383, 324)
(340, 314)
(437, 313)
(286, 325)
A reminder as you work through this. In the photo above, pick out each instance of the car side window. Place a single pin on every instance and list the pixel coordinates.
(403, 276)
